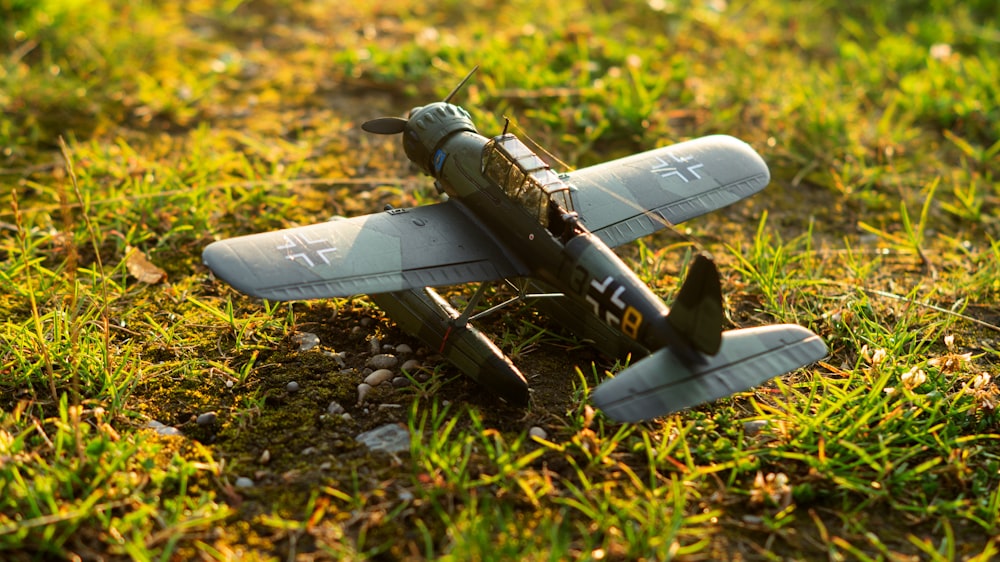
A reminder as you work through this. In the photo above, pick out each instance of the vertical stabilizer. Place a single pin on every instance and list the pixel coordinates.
(696, 313)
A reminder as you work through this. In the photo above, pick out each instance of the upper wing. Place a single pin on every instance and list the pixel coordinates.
(399, 249)
(628, 198)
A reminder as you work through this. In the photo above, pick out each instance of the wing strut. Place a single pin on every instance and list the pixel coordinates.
(522, 294)
(462, 319)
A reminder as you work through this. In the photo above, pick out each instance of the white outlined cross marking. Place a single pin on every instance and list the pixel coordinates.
(683, 167)
(311, 251)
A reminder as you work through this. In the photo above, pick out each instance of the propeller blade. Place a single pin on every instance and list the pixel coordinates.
(462, 83)
(385, 125)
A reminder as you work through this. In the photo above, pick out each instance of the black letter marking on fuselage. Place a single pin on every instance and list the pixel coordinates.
(605, 297)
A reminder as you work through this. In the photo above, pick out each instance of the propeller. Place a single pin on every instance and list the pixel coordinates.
(395, 125)
(385, 125)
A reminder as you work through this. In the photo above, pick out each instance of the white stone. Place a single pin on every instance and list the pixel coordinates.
(306, 340)
(753, 428)
(383, 361)
(390, 438)
(161, 429)
(378, 377)
(363, 390)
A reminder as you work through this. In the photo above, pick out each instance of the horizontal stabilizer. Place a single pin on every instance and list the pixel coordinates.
(664, 383)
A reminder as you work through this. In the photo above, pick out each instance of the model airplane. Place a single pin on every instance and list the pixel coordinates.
(510, 216)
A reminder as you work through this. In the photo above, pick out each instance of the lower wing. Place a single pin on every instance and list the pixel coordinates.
(399, 249)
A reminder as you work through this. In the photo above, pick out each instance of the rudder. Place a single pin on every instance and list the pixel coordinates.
(696, 313)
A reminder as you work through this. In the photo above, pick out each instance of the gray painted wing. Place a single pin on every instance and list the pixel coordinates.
(663, 383)
(631, 197)
(391, 251)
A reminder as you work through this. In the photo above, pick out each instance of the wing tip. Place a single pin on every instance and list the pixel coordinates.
(227, 265)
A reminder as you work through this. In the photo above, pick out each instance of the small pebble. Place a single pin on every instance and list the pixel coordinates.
(208, 418)
(265, 457)
(308, 451)
(538, 433)
(292, 387)
(386, 407)
(403, 349)
(383, 361)
(338, 357)
(346, 416)
(366, 322)
(378, 377)
(335, 408)
(387, 348)
(161, 429)
(306, 340)
(244, 482)
(406, 495)
(753, 428)
(363, 390)
(410, 365)
(390, 438)
(400, 382)
(375, 345)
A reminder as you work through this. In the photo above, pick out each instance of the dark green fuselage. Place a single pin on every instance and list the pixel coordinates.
(535, 230)
(579, 265)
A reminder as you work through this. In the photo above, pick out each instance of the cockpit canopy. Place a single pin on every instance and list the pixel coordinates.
(526, 178)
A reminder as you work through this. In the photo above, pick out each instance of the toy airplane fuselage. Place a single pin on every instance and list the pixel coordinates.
(508, 215)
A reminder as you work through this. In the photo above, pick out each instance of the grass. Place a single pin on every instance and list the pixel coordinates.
(131, 130)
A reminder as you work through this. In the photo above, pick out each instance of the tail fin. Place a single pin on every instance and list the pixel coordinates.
(664, 383)
(696, 313)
